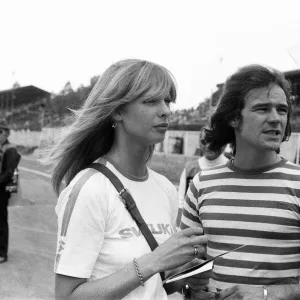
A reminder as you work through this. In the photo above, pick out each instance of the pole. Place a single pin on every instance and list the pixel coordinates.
(298, 151)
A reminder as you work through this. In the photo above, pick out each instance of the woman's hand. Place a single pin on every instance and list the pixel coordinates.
(180, 249)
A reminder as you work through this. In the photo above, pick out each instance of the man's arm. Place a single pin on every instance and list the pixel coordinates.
(11, 159)
(274, 292)
(190, 217)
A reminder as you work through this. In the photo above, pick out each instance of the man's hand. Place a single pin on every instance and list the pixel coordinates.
(198, 285)
(242, 292)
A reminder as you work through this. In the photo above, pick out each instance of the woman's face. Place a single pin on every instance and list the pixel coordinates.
(146, 120)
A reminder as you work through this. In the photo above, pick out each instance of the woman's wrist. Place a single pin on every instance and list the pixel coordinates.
(147, 266)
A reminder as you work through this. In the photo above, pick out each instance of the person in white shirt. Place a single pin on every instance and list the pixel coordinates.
(101, 253)
(209, 159)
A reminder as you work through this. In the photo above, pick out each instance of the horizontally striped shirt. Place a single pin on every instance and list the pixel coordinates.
(261, 209)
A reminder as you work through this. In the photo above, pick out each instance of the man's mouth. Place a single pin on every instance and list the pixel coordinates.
(272, 132)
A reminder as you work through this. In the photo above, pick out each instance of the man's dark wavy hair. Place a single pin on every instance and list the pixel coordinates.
(231, 102)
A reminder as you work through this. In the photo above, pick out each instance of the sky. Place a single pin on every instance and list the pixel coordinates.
(47, 43)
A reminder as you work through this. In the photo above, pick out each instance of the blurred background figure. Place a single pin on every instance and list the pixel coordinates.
(178, 145)
(9, 159)
(208, 159)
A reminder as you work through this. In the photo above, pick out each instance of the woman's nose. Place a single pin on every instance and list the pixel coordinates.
(164, 109)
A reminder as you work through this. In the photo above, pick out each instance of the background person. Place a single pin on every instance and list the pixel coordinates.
(208, 160)
(9, 159)
(101, 254)
(254, 199)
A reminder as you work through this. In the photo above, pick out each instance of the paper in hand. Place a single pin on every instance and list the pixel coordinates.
(200, 268)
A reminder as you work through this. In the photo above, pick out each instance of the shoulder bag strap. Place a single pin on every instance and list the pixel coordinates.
(129, 204)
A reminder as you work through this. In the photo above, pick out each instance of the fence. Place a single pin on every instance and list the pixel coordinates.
(176, 142)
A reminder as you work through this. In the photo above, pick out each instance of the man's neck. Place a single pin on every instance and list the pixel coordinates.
(248, 161)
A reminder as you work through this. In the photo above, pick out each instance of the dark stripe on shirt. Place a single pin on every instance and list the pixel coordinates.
(252, 233)
(191, 217)
(234, 175)
(254, 280)
(254, 249)
(256, 265)
(252, 203)
(251, 190)
(250, 218)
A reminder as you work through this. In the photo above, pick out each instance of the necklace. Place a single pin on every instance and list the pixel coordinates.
(124, 173)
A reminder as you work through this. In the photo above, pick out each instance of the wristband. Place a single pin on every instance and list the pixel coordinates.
(265, 292)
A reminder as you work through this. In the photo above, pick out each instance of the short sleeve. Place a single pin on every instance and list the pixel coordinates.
(81, 228)
(190, 217)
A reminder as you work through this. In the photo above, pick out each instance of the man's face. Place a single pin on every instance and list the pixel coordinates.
(263, 120)
(3, 135)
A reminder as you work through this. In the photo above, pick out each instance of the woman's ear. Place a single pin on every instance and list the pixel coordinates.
(234, 123)
(118, 116)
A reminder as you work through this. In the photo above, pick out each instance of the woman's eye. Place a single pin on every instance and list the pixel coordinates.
(150, 101)
(168, 102)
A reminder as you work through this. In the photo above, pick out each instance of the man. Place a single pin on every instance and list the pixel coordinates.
(254, 199)
(208, 160)
(9, 159)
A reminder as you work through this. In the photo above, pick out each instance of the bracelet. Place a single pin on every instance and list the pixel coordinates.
(265, 292)
(138, 273)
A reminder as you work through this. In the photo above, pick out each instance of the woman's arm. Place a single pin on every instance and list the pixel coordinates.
(114, 286)
(176, 251)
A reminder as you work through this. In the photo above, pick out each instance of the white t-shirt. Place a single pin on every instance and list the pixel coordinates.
(204, 164)
(96, 234)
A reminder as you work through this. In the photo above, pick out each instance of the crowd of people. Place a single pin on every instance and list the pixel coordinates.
(124, 228)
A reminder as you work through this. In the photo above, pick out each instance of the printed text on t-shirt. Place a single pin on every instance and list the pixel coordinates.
(154, 228)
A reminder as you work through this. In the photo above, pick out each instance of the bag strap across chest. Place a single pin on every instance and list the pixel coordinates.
(129, 204)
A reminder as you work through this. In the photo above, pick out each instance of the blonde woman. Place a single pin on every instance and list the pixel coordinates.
(101, 254)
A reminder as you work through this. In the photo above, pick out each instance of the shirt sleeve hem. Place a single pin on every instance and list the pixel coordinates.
(73, 272)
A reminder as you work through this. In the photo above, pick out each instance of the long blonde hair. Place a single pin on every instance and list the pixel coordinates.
(91, 134)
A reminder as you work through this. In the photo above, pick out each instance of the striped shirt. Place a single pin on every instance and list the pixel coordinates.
(261, 209)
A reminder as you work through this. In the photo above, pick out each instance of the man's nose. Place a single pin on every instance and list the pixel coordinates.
(274, 115)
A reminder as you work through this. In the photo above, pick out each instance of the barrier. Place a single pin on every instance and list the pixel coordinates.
(190, 141)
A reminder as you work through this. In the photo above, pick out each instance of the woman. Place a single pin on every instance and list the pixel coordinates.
(101, 254)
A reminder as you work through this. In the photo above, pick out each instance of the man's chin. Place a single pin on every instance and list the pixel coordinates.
(272, 147)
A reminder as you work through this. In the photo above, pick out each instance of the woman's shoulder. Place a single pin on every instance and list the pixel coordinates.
(88, 185)
(162, 180)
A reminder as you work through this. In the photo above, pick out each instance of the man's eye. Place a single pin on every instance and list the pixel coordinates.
(283, 111)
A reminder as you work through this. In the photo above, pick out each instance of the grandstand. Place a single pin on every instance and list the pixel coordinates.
(23, 107)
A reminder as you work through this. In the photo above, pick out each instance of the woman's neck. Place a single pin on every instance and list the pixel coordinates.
(131, 161)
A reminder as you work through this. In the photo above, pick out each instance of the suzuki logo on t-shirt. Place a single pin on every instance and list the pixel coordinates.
(154, 228)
